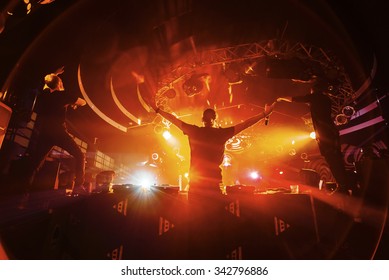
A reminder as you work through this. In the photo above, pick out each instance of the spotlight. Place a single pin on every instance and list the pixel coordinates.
(312, 135)
(146, 185)
(144, 178)
(155, 156)
(348, 111)
(254, 175)
(194, 84)
(341, 119)
(292, 152)
(167, 135)
(304, 156)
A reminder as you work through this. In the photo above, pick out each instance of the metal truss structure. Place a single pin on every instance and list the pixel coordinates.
(342, 96)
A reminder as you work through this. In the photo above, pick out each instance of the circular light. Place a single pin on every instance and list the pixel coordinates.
(158, 129)
(155, 156)
(348, 111)
(237, 144)
(192, 86)
(167, 135)
(341, 119)
(312, 135)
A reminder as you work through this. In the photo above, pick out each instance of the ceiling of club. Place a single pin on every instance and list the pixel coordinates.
(103, 44)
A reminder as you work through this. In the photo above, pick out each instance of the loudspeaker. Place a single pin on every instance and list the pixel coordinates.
(158, 224)
(272, 226)
(134, 224)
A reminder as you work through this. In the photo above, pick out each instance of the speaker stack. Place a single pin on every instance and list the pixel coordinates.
(159, 225)
(133, 223)
(272, 226)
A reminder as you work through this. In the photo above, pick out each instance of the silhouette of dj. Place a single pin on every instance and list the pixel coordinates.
(207, 145)
(327, 134)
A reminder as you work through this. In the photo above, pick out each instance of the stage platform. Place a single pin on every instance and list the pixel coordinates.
(160, 223)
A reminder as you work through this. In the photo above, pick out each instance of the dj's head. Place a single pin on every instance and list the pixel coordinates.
(209, 117)
(53, 82)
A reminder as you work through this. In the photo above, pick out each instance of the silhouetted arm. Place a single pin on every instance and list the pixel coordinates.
(253, 120)
(140, 79)
(79, 102)
(170, 117)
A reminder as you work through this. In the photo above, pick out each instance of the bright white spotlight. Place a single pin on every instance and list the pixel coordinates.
(226, 160)
(144, 178)
(146, 185)
(167, 135)
(254, 175)
(312, 135)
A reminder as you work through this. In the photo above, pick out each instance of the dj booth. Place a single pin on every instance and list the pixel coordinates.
(159, 223)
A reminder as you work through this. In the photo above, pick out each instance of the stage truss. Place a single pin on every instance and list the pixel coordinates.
(251, 52)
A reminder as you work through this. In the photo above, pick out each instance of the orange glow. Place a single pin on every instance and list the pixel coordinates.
(254, 175)
(167, 135)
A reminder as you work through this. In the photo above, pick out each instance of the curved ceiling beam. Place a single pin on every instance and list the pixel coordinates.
(94, 108)
(120, 105)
